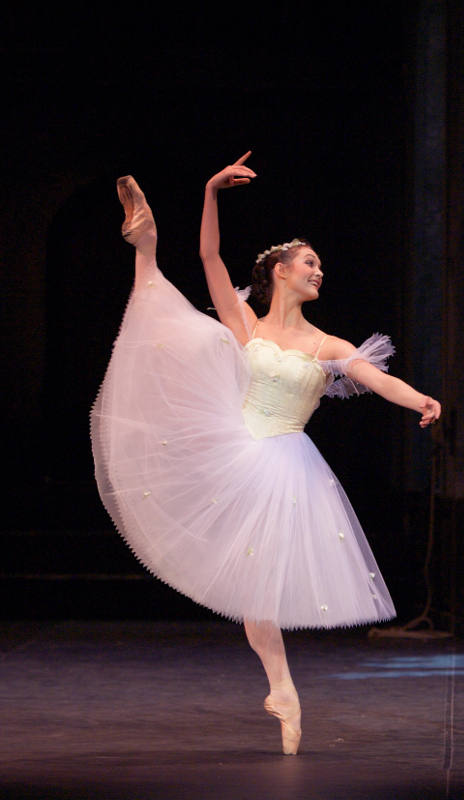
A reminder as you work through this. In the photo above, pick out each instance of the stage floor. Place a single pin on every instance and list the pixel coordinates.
(135, 711)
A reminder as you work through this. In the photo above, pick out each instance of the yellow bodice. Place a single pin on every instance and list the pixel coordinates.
(285, 389)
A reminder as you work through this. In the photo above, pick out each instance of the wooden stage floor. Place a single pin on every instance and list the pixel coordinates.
(145, 710)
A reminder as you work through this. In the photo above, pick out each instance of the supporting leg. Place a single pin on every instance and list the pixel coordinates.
(266, 640)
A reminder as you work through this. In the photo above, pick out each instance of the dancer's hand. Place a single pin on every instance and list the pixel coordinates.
(431, 410)
(235, 175)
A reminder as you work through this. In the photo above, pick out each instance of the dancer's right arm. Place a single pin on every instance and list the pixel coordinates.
(220, 286)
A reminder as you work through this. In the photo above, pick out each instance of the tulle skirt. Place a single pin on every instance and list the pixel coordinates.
(251, 529)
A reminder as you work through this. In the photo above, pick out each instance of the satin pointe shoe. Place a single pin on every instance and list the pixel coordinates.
(139, 226)
(286, 712)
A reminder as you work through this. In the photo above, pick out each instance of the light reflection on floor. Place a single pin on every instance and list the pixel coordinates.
(407, 666)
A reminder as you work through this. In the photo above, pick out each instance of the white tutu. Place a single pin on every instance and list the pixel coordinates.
(251, 528)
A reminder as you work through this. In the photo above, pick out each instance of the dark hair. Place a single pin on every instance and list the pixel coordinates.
(262, 281)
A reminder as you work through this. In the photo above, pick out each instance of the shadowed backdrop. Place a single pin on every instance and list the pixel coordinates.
(328, 97)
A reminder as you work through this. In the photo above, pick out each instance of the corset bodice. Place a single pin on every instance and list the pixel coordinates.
(285, 389)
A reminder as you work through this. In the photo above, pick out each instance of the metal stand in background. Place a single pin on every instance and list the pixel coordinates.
(411, 629)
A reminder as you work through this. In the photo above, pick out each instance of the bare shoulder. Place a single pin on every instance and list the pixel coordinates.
(335, 349)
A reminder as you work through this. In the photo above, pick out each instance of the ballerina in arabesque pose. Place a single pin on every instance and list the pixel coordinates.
(200, 451)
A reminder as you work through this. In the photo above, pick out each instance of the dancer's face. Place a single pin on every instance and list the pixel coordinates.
(303, 274)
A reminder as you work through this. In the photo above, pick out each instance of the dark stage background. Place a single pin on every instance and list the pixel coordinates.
(354, 116)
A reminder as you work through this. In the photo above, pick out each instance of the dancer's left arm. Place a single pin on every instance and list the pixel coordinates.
(387, 386)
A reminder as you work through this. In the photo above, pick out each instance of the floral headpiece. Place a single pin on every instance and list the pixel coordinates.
(286, 246)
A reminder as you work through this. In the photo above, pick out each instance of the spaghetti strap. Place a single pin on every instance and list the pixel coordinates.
(319, 348)
(255, 329)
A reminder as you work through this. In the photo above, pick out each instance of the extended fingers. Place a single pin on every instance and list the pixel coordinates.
(237, 175)
(243, 158)
(241, 170)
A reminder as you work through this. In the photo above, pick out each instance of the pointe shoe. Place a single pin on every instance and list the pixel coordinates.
(139, 220)
(290, 737)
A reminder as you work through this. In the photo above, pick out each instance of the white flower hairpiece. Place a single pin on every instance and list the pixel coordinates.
(286, 246)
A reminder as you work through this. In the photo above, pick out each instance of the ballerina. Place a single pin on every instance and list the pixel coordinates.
(200, 452)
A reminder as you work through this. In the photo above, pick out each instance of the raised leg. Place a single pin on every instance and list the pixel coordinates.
(266, 640)
(139, 226)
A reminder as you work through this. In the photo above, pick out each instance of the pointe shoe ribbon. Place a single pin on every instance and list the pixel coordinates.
(139, 218)
(290, 737)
